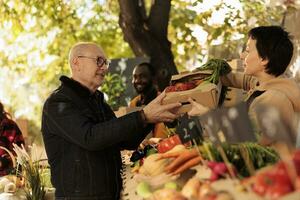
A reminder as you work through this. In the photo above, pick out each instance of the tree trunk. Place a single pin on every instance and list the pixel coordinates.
(147, 35)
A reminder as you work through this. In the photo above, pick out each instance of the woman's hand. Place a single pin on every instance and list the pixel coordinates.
(197, 109)
(182, 161)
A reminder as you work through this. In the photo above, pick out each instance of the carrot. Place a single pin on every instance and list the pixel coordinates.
(181, 159)
(191, 163)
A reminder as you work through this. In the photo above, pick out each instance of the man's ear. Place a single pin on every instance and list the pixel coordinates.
(74, 63)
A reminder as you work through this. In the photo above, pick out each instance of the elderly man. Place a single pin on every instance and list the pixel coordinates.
(82, 136)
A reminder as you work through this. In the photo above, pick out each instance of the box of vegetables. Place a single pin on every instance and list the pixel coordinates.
(202, 85)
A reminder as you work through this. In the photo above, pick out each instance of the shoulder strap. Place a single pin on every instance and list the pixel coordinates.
(252, 97)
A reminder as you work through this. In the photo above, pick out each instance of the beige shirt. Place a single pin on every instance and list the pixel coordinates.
(280, 93)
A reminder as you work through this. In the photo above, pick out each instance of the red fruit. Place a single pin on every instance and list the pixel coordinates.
(262, 183)
(184, 86)
(211, 164)
(214, 176)
(273, 183)
(210, 197)
(189, 85)
(220, 168)
(168, 144)
(296, 160)
(277, 191)
(141, 161)
(170, 88)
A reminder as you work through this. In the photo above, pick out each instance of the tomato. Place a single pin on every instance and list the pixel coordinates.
(170, 88)
(262, 183)
(277, 191)
(273, 183)
(180, 87)
(296, 160)
(184, 86)
(168, 143)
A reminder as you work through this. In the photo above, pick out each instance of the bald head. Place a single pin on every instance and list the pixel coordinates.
(83, 48)
(83, 60)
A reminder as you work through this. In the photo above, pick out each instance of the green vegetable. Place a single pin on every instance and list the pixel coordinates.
(151, 151)
(171, 185)
(143, 189)
(254, 155)
(219, 67)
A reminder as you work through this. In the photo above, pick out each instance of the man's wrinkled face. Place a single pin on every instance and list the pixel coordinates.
(92, 73)
(142, 79)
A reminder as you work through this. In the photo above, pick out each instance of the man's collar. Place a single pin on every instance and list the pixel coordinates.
(78, 88)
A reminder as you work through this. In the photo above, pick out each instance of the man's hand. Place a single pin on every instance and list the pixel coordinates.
(182, 161)
(156, 112)
(197, 109)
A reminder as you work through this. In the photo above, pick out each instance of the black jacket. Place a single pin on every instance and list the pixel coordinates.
(83, 139)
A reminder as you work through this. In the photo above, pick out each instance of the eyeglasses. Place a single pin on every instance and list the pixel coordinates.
(100, 61)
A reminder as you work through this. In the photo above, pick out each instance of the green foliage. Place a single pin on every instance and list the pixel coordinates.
(33, 179)
(114, 87)
(34, 50)
(31, 171)
(230, 30)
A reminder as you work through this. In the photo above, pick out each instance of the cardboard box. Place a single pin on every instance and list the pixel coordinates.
(126, 110)
(206, 94)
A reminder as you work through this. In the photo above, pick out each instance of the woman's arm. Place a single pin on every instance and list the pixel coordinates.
(239, 80)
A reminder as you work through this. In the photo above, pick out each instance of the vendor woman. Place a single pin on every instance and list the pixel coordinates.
(267, 55)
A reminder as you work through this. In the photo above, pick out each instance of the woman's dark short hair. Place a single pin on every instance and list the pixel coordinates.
(273, 43)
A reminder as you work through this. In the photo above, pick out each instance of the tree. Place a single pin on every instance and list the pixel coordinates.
(145, 24)
(147, 35)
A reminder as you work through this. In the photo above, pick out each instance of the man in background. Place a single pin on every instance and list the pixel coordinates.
(143, 82)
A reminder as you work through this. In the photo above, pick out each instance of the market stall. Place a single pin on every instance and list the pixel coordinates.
(221, 157)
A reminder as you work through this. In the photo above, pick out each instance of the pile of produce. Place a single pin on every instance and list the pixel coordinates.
(277, 180)
(258, 156)
(272, 182)
(163, 146)
(213, 173)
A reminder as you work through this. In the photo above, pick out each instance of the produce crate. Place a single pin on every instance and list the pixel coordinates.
(205, 93)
